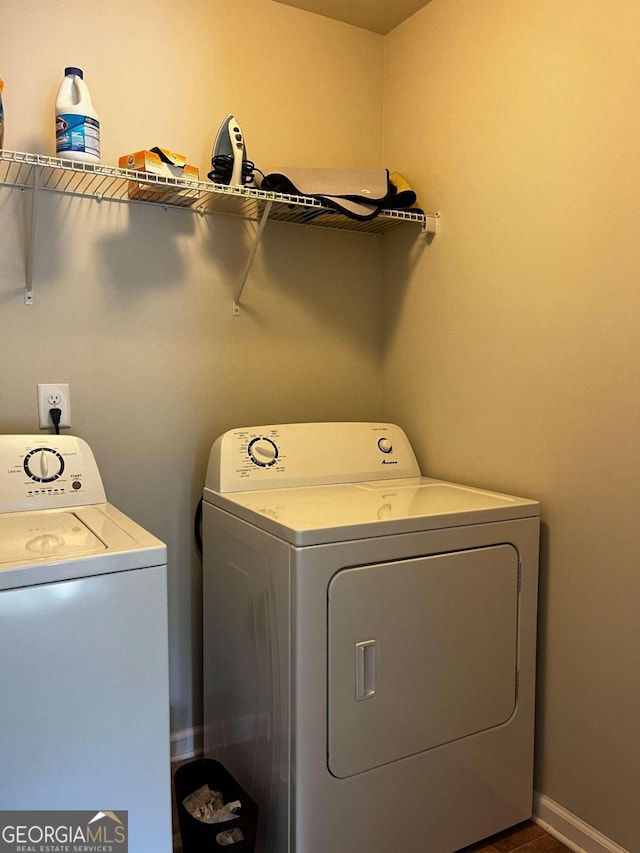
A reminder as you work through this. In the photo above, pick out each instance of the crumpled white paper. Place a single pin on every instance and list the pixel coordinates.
(208, 806)
(229, 836)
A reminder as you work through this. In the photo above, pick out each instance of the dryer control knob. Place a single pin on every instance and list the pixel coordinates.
(263, 452)
(385, 445)
(43, 464)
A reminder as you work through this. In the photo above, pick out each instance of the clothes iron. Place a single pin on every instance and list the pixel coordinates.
(229, 163)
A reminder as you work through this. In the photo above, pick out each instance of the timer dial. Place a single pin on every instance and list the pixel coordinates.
(385, 445)
(43, 464)
(263, 452)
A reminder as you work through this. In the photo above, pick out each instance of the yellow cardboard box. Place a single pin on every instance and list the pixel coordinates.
(164, 164)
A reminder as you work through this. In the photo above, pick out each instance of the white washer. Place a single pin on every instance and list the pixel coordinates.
(369, 641)
(84, 716)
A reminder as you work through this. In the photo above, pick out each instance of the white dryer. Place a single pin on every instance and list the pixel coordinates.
(84, 714)
(369, 641)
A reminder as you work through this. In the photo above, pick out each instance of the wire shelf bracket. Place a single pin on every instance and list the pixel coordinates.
(252, 254)
(31, 241)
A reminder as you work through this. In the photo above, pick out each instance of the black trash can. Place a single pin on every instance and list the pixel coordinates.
(199, 837)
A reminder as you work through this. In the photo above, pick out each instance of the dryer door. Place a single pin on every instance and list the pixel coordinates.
(421, 652)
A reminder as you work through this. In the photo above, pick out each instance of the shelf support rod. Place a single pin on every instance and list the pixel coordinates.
(252, 254)
(31, 239)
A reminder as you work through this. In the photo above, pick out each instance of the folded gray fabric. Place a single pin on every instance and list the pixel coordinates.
(358, 193)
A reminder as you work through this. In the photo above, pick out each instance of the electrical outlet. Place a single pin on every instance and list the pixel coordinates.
(54, 397)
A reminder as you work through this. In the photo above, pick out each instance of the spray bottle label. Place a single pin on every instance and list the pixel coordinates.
(77, 133)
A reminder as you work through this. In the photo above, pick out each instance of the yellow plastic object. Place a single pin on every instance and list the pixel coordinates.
(405, 196)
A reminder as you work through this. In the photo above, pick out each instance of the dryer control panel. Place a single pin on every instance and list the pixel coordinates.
(47, 472)
(288, 455)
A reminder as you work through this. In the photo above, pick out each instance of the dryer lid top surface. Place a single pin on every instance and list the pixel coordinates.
(333, 513)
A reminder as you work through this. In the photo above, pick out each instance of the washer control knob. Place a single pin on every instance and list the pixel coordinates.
(263, 452)
(385, 445)
(43, 464)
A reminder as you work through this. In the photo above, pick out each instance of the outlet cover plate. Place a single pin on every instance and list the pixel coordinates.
(54, 395)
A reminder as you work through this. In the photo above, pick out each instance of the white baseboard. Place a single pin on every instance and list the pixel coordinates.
(570, 830)
(186, 744)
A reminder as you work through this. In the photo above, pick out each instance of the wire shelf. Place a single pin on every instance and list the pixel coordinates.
(99, 181)
(37, 172)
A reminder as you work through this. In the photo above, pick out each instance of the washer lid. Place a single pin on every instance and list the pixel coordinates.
(320, 514)
(39, 536)
(53, 545)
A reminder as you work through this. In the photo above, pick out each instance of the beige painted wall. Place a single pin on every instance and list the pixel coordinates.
(133, 304)
(511, 349)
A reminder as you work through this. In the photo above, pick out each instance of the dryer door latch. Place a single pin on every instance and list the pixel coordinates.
(365, 670)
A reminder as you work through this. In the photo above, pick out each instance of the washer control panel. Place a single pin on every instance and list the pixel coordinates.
(287, 455)
(46, 472)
